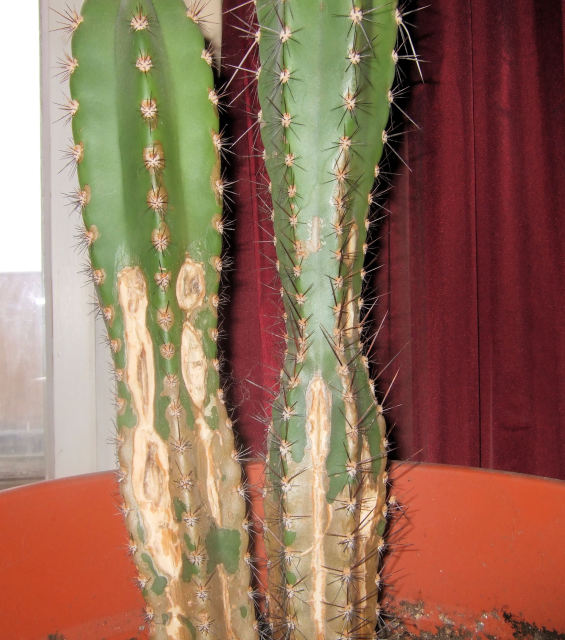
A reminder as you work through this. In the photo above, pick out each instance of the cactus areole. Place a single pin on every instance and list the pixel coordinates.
(324, 88)
(147, 151)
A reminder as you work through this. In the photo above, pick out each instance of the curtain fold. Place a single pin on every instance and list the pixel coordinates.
(252, 313)
(520, 133)
(473, 251)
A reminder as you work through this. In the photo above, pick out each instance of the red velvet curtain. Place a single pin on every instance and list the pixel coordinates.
(473, 251)
(254, 312)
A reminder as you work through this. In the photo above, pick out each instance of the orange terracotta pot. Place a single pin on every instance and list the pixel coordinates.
(475, 553)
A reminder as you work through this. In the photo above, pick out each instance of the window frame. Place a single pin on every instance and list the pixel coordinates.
(79, 389)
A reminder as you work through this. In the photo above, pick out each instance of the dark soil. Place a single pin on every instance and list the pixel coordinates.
(517, 628)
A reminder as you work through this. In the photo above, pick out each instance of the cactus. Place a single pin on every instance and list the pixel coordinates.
(325, 93)
(147, 151)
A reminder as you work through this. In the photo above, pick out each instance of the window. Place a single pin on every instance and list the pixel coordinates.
(22, 300)
(56, 388)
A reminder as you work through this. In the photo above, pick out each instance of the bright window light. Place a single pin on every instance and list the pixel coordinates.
(20, 208)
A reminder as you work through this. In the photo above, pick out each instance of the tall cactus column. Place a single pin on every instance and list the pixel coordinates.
(325, 93)
(147, 150)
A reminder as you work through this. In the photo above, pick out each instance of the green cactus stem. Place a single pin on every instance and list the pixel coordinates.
(325, 93)
(147, 151)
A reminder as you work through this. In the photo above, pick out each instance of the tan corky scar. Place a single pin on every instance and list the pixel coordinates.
(194, 365)
(318, 428)
(150, 464)
(191, 292)
(372, 500)
(349, 260)
(314, 242)
(205, 455)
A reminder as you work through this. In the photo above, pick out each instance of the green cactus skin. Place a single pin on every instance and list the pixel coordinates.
(147, 150)
(325, 92)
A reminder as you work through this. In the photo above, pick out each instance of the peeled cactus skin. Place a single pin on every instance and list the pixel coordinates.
(147, 150)
(325, 92)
